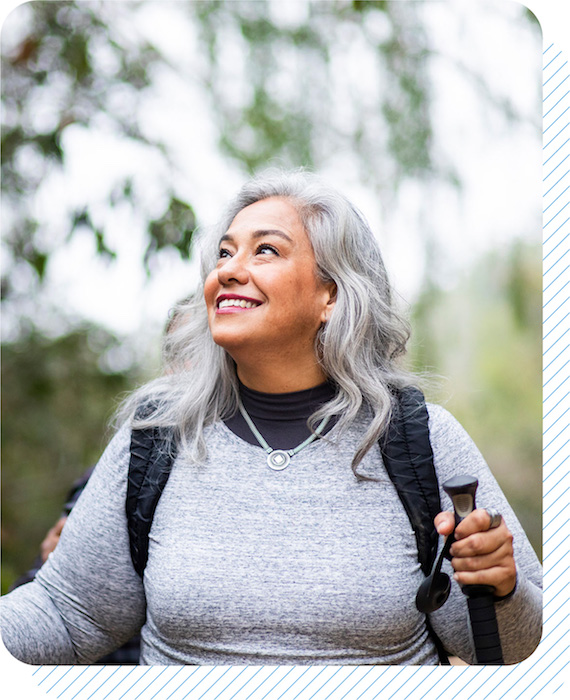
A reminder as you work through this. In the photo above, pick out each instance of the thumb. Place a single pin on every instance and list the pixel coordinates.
(444, 522)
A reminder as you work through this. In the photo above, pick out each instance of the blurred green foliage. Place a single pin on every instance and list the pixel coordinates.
(389, 129)
(74, 65)
(86, 64)
(56, 404)
(482, 338)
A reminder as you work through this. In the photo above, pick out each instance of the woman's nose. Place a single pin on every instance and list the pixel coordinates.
(233, 269)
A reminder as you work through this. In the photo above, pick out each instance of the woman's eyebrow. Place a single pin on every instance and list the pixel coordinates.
(261, 233)
(271, 232)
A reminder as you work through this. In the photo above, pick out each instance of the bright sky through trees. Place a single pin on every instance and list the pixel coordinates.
(480, 64)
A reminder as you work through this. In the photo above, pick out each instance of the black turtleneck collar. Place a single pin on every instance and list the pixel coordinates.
(280, 418)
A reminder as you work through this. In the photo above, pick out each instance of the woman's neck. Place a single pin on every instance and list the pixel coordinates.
(280, 418)
(274, 378)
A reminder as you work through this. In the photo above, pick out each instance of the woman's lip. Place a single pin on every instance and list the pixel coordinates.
(234, 310)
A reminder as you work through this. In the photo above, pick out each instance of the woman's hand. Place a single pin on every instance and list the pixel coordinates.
(52, 538)
(479, 554)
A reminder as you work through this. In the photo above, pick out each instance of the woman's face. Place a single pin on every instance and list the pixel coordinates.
(264, 294)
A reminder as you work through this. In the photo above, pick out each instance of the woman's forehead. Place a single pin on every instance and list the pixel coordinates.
(277, 210)
(272, 216)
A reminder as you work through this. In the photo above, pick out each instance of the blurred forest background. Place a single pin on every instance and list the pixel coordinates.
(128, 124)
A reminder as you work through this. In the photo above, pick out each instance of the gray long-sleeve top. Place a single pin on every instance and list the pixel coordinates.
(251, 566)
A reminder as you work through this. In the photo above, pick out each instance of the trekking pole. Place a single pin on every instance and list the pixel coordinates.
(480, 598)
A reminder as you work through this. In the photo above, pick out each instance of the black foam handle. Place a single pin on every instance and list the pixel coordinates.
(480, 601)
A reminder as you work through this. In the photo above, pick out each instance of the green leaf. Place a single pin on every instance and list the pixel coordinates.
(38, 261)
(102, 248)
(50, 145)
(175, 229)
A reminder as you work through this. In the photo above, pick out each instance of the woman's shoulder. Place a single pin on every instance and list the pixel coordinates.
(114, 461)
(120, 443)
(443, 425)
(452, 446)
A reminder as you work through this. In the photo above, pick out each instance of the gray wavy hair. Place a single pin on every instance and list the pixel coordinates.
(359, 348)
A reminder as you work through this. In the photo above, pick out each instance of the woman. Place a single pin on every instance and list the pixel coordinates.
(279, 537)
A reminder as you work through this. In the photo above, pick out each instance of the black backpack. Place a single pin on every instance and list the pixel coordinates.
(407, 456)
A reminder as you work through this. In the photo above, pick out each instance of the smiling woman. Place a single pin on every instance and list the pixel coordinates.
(265, 300)
(280, 535)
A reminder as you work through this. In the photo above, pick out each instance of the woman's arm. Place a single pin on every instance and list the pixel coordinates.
(502, 557)
(87, 599)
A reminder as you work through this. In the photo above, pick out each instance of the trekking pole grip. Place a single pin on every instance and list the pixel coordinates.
(480, 598)
(481, 605)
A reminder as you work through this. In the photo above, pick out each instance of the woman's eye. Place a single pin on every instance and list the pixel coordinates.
(265, 248)
(224, 253)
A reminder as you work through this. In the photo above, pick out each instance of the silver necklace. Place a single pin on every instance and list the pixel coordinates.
(279, 459)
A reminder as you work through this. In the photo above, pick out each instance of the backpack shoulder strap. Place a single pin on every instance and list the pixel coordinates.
(408, 458)
(152, 453)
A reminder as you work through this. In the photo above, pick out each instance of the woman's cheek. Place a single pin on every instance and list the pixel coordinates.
(210, 287)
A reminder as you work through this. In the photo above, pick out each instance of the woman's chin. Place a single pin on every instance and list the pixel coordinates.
(233, 341)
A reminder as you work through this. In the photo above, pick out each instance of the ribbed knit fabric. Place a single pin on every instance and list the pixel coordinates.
(280, 418)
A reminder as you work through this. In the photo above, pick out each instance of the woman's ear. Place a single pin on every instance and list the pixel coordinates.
(330, 301)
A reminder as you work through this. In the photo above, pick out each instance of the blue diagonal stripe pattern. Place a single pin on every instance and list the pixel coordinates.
(537, 677)
(551, 659)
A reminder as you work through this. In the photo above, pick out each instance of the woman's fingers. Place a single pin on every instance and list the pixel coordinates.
(497, 557)
(480, 554)
(52, 538)
(503, 579)
(477, 521)
(482, 542)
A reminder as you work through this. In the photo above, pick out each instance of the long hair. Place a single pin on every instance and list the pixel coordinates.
(359, 347)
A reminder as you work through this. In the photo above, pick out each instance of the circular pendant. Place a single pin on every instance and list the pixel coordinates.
(278, 460)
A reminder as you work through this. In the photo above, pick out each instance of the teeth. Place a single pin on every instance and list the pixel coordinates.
(236, 302)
